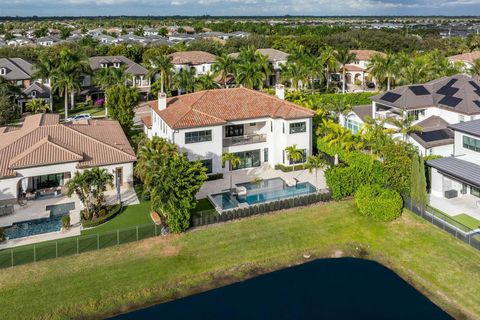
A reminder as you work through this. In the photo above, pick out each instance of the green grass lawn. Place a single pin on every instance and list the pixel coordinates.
(467, 220)
(93, 111)
(99, 283)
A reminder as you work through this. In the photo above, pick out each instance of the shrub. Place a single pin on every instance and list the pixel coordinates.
(3, 236)
(215, 176)
(110, 212)
(284, 168)
(378, 203)
(66, 222)
(146, 195)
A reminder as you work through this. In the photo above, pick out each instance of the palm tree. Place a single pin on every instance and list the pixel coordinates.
(233, 160)
(383, 67)
(344, 57)
(63, 83)
(405, 125)
(185, 80)
(224, 65)
(475, 69)
(264, 65)
(294, 155)
(340, 108)
(205, 82)
(249, 75)
(329, 62)
(37, 105)
(162, 66)
(315, 163)
(109, 77)
(417, 70)
(374, 134)
(44, 69)
(296, 73)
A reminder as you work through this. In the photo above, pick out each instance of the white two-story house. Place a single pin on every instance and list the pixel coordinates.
(201, 61)
(433, 106)
(253, 125)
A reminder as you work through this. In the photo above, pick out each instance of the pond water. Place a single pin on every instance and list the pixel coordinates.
(343, 288)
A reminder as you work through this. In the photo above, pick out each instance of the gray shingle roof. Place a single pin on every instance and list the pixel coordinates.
(469, 127)
(435, 133)
(16, 69)
(459, 93)
(363, 111)
(457, 168)
(131, 67)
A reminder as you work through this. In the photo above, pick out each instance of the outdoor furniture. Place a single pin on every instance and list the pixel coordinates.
(449, 194)
(241, 191)
(155, 217)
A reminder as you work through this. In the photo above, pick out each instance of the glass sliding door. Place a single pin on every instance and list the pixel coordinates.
(248, 159)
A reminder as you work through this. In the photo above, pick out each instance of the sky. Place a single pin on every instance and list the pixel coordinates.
(236, 7)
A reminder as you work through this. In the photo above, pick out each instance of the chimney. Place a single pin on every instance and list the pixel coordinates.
(280, 91)
(162, 101)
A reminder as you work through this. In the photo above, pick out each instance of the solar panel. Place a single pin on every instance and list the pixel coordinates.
(476, 86)
(390, 97)
(448, 90)
(450, 101)
(419, 90)
(435, 135)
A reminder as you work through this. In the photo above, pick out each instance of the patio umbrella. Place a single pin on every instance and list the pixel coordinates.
(24, 184)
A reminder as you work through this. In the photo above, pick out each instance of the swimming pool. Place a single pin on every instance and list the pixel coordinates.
(40, 226)
(260, 192)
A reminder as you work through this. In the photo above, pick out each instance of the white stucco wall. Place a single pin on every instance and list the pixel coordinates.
(199, 69)
(467, 154)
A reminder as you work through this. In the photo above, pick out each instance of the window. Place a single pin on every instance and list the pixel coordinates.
(234, 130)
(471, 143)
(271, 126)
(248, 159)
(301, 160)
(298, 127)
(198, 136)
(283, 127)
(207, 163)
(416, 114)
(3, 71)
(475, 191)
(253, 124)
(265, 155)
(116, 65)
(461, 118)
(34, 93)
(353, 126)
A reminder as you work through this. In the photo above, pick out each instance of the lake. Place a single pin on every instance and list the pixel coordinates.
(343, 288)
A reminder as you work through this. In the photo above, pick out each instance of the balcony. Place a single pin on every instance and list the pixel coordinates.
(245, 139)
(387, 114)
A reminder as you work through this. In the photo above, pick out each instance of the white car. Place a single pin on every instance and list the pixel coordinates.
(83, 116)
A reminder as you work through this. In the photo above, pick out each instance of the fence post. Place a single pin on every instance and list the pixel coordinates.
(98, 241)
(78, 247)
(118, 237)
(56, 249)
(137, 232)
(155, 229)
(34, 253)
(11, 254)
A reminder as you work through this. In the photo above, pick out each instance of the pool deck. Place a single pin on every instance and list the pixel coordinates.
(263, 172)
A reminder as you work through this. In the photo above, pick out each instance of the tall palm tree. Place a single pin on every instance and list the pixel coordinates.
(161, 65)
(249, 75)
(109, 77)
(296, 73)
(44, 69)
(344, 57)
(63, 83)
(374, 134)
(330, 63)
(206, 82)
(383, 67)
(293, 154)
(475, 69)
(233, 161)
(417, 70)
(264, 65)
(315, 163)
(340, 108)
(405, 125)
(223, 66)
(185, 80)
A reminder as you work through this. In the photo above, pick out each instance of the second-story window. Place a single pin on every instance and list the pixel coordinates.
(471, 143)
(297, 127)
(198, 136)
(3, 71)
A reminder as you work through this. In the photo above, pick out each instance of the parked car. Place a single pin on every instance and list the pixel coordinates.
(370, 85)
(83, 116)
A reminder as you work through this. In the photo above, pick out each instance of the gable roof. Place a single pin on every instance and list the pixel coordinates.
(16, 69)
(42, 140)
(217, 107)
(363, 111)
(469, 57)
(459, 93)
(131, 67)
(365, 55)
(192, 57)
(458, 168)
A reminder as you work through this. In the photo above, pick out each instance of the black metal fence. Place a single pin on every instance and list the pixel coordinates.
(446, 223)
(275, 205)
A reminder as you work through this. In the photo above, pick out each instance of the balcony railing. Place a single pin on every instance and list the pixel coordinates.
(382, 115)
(246, 139)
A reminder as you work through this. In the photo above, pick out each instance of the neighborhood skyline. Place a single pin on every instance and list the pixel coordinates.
(44, 8)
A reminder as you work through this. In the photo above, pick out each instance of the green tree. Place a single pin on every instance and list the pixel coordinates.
(294, 155)
(185, 80)
(162, 66)
(344, 57)
(7, 109)
(223, 66)
(121, 102)
(205, 82)
(106, 78)
(231, 160)
(418, 181)
(330, 63)
(316, 163)
(44, 69)
(475, 69)
(405, 125)
(37, 105)
(383, 67)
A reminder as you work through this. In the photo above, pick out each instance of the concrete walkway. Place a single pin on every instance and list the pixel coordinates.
(263, 172)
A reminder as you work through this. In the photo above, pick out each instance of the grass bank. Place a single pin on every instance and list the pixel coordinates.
(119, 278)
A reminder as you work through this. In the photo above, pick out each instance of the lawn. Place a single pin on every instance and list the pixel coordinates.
(467, 220)
(202, 205)
(100, 283)
(93, 111)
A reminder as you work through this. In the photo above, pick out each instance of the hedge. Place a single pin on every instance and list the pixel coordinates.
(215, 176)
(378, 203)
(289, 168)
(112, 212)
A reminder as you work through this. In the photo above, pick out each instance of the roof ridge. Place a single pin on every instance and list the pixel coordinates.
(18, 66)
(289, 103)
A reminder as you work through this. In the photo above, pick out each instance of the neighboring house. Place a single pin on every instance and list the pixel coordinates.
(36, 90)
(255, 126)
(17, 71)
(137, 74)
(434, 106)
(47, 41)
(179, 37)
(455, 180)
(150, 32)
(276, 58)
(19, 41)
(466, 59)
(40, 156)
(107, 39)
(356, 72)
(200, 60)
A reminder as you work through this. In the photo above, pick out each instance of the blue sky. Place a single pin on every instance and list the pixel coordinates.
(238, 7)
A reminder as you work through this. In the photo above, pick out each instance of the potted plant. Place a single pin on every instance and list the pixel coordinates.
(66, 222)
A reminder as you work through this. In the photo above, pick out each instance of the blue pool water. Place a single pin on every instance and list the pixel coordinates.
(39, 226)
(263, 191)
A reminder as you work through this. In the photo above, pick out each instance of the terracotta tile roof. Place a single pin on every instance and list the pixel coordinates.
(366, 55)
(41, 141)
(192, 57)
(469, 57)
(147, 121)
(354, 68)
(217, 107)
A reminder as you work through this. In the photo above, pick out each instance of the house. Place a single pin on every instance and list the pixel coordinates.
(150, 32)
(47, 41)
(356, 72)
(17, 71)
(434, 106)
(467, 60)
(276, 59)
(253, 125)
(39, 157)
(107, 39)
(200, 60)
(37, 90)
(137, 74)
(179, 37)
(455, 180)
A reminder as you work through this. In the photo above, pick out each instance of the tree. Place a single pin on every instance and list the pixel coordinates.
(315, 163)
(475, 69)
(44, 69)
(344, 57)
(161, 65)
(205, 82)
(90, 186)
(249, 75)
(383, 67)
(233, 161)
(121, 102)
(294, 155)
(418, 187)
(185, 80)
(7, 109)
(294, 72)
(330, 63)
(339, 108)
(405, 125)
(109, 77)
(37, 105)
(223, 66)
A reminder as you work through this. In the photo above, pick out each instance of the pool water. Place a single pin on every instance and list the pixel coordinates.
(40, 226)
(262, 191)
